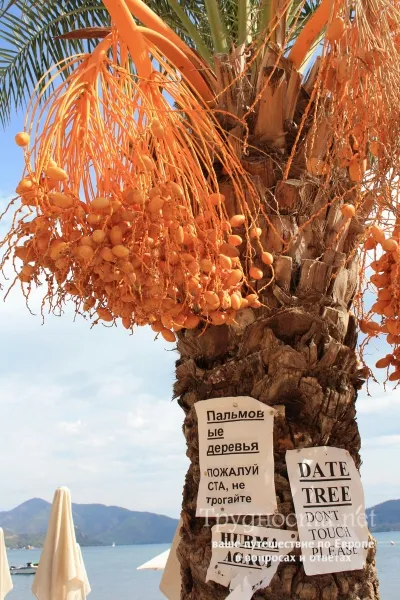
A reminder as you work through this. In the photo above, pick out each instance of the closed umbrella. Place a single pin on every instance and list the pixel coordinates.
(5, 578)
(86, 587)
(61, 574)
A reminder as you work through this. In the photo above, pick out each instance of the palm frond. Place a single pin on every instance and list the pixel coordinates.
(29, 47)
(191, 30)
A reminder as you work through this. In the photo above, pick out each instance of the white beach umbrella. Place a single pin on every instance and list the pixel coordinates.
(86, 587)
(157, 563)
(6, 584)
(61, 574)
(168, 561)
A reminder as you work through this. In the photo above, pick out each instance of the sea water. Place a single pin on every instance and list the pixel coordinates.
(113, 576)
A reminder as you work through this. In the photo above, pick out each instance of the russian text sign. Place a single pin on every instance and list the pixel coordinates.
(330, 511)
(247, 557)
(236, 457)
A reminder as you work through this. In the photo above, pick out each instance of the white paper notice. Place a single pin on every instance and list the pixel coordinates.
(236, 457)
(329, 503)
(246, 558)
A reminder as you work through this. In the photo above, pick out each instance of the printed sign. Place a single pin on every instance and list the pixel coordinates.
(236, 457)
(247, 557)
(329, 504)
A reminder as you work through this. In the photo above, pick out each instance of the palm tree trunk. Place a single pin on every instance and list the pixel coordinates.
(296, 354)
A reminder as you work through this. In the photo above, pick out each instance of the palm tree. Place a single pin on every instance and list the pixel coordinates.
(302, 154)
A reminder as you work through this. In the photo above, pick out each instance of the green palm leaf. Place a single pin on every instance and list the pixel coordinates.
(29, 49)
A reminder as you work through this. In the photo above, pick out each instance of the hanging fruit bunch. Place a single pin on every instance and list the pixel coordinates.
(356, 86)
(356, 137)
(385, 279)
(120, 206)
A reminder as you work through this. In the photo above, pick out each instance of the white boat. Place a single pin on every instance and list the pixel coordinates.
(113, 545)
(29, 569)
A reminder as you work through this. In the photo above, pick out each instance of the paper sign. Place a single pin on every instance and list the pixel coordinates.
(236, 457)
(247, 557)
(329, 504)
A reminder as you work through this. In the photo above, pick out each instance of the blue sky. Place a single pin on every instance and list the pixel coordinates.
(92, 410)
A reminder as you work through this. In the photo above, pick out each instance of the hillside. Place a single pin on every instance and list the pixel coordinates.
(99, 525)
(95, 524)
(386, 516)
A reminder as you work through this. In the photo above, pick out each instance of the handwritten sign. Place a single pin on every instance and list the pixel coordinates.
(329, 503)
(246, 558)
(236, 457)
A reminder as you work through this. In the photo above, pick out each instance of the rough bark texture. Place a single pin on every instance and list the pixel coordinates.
(298, 355)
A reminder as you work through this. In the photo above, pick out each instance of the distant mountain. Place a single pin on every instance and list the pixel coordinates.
(95, 524)
(100, 525)
(384, 516)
